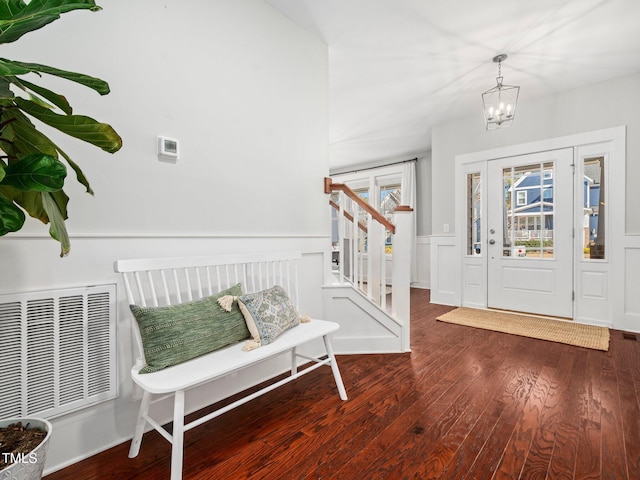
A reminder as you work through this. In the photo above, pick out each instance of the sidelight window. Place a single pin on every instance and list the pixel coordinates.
(474, 191)
(594, 237)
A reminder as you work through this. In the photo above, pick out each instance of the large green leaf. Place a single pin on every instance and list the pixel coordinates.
(84, 128)
(9, 68)
(11, 217)
(12, 67)
(18, 17)
(26, 138)
(76, 168)
(31, 202)
(21, 136)
(42, 173)
(58, 100)
(57, 228)
(5, 91)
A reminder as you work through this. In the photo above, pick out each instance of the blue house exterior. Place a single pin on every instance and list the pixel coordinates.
(532, 204)
(592, 204)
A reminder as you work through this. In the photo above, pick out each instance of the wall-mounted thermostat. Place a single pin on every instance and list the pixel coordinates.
(168, 148)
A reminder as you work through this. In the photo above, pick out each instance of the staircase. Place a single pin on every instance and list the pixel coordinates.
(371, 265)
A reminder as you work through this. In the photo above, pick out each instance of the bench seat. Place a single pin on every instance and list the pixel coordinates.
(227, 360)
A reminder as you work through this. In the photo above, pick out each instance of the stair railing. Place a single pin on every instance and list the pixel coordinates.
(373, 254)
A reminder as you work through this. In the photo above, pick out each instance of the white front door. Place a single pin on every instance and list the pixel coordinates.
(530, 233)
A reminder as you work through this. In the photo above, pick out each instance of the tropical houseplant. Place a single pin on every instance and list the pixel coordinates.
(32, 173)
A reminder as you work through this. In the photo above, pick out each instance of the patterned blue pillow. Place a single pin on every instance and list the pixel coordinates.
(271, 311)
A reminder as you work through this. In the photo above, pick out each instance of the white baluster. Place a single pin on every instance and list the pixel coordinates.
(401, 273)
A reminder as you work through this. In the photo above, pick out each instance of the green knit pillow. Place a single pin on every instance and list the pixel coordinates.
(177, 333)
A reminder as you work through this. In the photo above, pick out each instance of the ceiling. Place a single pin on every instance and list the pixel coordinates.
(398, 67)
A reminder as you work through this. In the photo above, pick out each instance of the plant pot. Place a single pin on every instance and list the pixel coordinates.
(31, 465)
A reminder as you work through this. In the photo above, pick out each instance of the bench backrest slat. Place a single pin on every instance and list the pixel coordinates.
(158, 282)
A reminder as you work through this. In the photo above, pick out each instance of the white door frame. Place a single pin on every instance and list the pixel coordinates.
(599, 285)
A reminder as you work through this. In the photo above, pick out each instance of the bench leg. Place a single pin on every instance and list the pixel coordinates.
(143, 411)
(334, 368)
(294, 361)
(177, 443)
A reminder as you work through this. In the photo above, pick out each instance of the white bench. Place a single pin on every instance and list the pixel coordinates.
(168, 281)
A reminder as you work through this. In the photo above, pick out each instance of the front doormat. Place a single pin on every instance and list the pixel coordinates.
(562, 331)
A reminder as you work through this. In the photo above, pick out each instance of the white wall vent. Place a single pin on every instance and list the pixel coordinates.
(57, 350)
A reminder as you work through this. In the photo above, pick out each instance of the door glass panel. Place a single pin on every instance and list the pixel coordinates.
(594, 208)
(528, 211)
(474, 190)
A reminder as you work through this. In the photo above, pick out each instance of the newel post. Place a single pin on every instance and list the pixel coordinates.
(401, 271)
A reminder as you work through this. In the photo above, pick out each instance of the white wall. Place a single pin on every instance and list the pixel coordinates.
(245, 92)
(241, 87)
(591, 108)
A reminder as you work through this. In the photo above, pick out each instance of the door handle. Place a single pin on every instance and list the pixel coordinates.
(492, 242)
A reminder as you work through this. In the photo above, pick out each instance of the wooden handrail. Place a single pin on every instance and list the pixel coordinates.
(404, 208)
(348, 216)
(329, 187)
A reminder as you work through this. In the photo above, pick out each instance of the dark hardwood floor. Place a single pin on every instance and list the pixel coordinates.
(465, 404)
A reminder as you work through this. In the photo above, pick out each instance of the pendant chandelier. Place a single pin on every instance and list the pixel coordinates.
(500, 102)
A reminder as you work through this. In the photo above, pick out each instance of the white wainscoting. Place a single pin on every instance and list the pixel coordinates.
(422, 263)
(32, 263)
(364, 327)
(629, 309)
(474, 282)
(445, 270)
(593, 293)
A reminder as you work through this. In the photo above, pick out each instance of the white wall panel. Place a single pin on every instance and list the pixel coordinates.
(445, 271)
(364, 328)
(594, 285)
(632, 284)
(423, 263)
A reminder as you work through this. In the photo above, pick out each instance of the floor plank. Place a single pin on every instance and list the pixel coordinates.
(464, 404)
